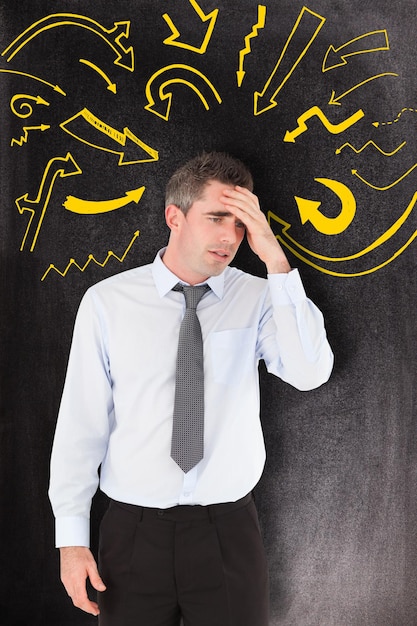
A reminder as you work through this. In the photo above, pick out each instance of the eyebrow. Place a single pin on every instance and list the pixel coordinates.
(219, 213)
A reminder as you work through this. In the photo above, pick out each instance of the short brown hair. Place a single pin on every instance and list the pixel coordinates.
(187, 183)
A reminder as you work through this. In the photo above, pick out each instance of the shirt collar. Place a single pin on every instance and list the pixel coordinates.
(165, 280)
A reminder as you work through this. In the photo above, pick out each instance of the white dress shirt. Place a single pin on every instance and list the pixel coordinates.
(118, 398)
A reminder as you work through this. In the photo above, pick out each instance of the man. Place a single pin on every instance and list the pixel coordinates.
(180, 542)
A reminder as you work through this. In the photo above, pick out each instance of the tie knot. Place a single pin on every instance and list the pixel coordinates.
(192, 295)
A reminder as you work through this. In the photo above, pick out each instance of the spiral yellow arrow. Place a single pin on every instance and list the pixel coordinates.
(309, 209)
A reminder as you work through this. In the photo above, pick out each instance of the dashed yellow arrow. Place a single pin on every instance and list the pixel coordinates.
(90, 207)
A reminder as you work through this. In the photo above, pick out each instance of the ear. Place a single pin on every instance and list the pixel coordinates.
(173, 216)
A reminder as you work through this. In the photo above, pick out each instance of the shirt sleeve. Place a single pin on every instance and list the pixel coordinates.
(82, 430)
(293, 340)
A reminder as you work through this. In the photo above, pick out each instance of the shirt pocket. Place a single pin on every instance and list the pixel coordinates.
(231, 355)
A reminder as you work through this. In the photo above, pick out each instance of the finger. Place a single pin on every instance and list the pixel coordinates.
(95, 578)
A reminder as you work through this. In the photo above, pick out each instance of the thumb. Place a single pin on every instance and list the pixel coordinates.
(95, 579)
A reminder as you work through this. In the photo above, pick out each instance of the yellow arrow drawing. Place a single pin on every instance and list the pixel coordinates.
(373, 41)
(23, 139)
(370, 143)
(25, 108)
(112, 36)
(336, 99)
(246, 50)
(210, 17)
(300, 251)
(90, 207)
(110, 86)
(305, 30)
(392, 230)
(386, 187)
(58, 166)
(309, 209)
(397, 119)
(115, 135)
(92, 259)
(172, 73)
(40, 80)
(335, 129)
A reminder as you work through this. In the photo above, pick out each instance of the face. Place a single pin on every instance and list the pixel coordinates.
(205, 240)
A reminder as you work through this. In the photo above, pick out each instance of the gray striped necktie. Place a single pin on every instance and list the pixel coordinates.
(187, 445)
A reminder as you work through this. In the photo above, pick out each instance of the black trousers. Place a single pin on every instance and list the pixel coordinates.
(204, 564)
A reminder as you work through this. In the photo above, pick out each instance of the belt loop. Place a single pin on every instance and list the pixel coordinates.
(140, 514)
(211, 513)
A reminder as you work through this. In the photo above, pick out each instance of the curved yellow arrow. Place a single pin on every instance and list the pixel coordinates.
(336, 99)
(211, 17)
(40, 80)
(375, 41)
(175, 79)
(309, 209)
(352, 274)
(375, 244)
(335, 129)
(112, 36)
(25, 105)
(386, 187)
(110, 86)
(90, 207)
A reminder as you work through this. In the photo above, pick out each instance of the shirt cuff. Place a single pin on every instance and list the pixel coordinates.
(72, 531)
(286, 288)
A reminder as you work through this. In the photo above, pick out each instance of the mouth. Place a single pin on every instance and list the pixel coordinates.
(220, 255)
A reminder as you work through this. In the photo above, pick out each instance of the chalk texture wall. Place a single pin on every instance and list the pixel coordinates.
(99, 103)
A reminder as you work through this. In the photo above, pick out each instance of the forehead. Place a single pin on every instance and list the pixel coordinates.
(213, 190)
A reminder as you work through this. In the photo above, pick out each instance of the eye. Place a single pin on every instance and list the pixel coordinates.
(215, 220)
(240, 225)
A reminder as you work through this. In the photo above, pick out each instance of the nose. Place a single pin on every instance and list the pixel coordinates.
(230, 233)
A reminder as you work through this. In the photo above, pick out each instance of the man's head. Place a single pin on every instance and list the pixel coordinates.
(187, 184)
(205, 233)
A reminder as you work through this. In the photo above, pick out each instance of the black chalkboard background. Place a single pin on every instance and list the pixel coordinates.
(338, 497)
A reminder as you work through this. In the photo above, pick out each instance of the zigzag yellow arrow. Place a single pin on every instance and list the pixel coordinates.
(242, 53)
(89, 207)
(23, 139)
(370, 143)
(335, 129)
(210, 17)
(91, 259)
